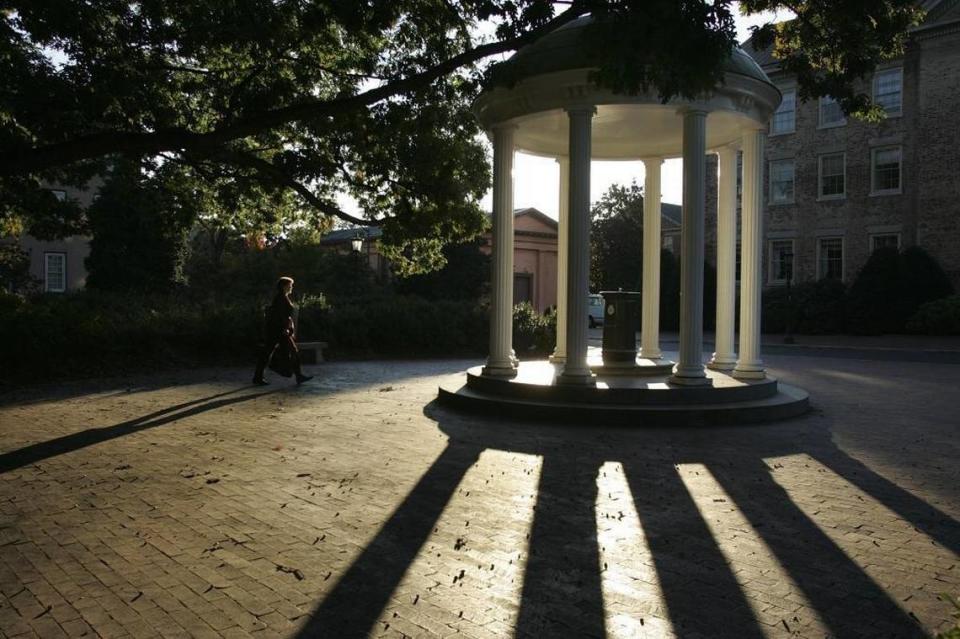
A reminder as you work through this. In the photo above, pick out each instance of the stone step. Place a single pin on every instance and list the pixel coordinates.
(535, 381)
(787, 401)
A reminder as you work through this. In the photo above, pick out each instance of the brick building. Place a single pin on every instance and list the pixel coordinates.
(837, 188)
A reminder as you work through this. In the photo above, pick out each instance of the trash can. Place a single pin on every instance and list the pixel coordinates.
(620, 320)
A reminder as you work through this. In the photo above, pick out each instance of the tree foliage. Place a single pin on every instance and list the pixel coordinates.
(258, 100)
(139, 233)
(616, 239)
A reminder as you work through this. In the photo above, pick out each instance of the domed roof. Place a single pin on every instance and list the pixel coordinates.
(562, 50)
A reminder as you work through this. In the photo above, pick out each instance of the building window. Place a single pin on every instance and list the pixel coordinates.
(885, 170)
(55, 272)
(60, 194)
(830, 258)
(781, 182)
(830, 113)
(884, 240)
(888, 90)
(781, 261)
(785, 117)
(833, 175)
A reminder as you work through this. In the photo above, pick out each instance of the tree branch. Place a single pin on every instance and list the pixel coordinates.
(278, 176)
(27, 160)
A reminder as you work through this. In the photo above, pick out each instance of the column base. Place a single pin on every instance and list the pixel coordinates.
(651, 353)
(499, 370)
(689, 381)
(576, 378)
(722, 363)
(557, 359)
(751, 371)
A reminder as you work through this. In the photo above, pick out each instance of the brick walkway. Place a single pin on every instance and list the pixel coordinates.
(193, 505)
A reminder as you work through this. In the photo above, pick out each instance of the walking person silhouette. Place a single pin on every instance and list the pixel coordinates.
(279, 345)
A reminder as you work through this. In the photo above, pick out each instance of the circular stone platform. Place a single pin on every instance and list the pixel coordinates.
(642, 400)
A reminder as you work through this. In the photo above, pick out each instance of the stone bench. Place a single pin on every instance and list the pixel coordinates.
(311, 352)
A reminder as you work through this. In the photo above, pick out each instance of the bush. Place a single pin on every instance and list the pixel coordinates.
(812, 308)
(392, 326)
(872, 303)
(97, 333)
(939, 317)
(921, 280)
(533, 333)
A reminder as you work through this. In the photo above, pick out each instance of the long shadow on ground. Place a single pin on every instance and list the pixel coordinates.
(75, 441)
(561, 594)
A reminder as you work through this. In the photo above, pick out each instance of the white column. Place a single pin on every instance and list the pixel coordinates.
(575, 369)
(724, 357)
(560, 352)
(501, 362)
(652, 242)
(749, 365)
(689, 369)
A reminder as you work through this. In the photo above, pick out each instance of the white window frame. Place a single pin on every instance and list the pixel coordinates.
(832, 196)
(876, 81)
(874, 236)
(770, 193)
(46, 272)
(773, 117)
(829, 125)
(873, 171)
(843, 256)
(793, 261)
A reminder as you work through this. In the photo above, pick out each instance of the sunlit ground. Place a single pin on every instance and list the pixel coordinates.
(193, 505)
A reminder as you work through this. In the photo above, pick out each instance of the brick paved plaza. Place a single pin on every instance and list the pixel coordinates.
(195, 505)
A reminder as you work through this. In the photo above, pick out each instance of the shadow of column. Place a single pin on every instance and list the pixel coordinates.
(352, 607)
(561, 585)
(845, 597)
(927, 518)
(699, 587)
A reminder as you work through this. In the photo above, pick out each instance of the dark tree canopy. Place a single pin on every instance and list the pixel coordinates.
(254, 98)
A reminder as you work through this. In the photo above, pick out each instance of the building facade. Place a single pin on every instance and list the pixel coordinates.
(837, 188)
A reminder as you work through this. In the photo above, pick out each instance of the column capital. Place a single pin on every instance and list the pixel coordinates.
(728, 149)
(589, 109)
(504, 126)
(693, 110)
(652, 159)
(560, 159)
(754, 127)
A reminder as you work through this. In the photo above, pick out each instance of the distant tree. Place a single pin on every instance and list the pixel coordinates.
(15, 269)
(616, 239)
(139, 233)
(465, 276)
(366, 98)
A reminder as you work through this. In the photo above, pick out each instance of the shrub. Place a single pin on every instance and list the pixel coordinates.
(939, 317)
(921, 280)
(533, 333)
(872, 301)
(813, 308)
